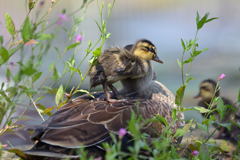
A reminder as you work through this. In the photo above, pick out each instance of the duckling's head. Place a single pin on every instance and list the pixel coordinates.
(145, 49)
(207, 90)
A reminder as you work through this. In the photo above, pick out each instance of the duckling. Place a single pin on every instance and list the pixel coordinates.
(116, 64)
(207, 91)
(88, 122)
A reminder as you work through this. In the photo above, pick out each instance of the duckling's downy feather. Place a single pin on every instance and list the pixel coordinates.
(115, 64)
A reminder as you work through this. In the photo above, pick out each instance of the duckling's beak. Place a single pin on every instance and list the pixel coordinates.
(197, 96)
(156, 59)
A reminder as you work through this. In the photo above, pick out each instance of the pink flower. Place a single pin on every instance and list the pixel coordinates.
(221, 76)
(122, 132)
(62, 18)
(78, 38)
(98, 158)
(30, 42)
(4, 145)
(195, 153)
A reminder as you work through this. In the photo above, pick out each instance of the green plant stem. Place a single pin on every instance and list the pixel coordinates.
(182, 68)
(206, 140)
(35, 106)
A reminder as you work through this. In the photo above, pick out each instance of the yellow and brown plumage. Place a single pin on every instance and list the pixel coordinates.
(207, 91)
(87, 122)
(116, 64)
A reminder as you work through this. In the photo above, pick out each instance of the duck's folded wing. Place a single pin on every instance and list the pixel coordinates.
(86, 123)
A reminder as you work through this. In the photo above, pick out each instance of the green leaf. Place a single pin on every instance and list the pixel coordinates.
(202, 109)
(44, 36)
(84, 91)
(9, 24)
(221, 108)
(188, 79)
(55, 75)
(59, 95)
(27, 30)
(1, 40)
(36, 76)
(28, 69)
(204, 152)
(179, 63)
(8, 73)
(108, 35)
(72, 46)
(12, 91)
(97, 52)
(200, 23)
(183, 44)
(179, 95)
(225, 125)
(197, 18)
(190, 59)
(182, 131)
(211, 19)
(4, 55)
(161, 119)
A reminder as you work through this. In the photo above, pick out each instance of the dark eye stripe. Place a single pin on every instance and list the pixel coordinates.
(205, 88)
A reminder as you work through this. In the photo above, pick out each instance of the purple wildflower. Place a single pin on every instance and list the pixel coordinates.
(122, 132)
(195, 153)
(78, 38)
(61, 18)
(11, 63)
(221, 76)
(41, 3)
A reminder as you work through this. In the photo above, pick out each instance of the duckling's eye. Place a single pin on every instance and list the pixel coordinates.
(148, 49)
(145, 49)
(205, 88)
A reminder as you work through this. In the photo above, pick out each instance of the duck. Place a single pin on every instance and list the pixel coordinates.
(87, 122)
(208, 89)
(116, 64)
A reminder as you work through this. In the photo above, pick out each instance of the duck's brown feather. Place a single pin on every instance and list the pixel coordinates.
(89, 122)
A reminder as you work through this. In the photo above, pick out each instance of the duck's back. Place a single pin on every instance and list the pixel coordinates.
(87, 122)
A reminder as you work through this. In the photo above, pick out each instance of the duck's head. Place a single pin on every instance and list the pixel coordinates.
(144, 49)
(207, 90)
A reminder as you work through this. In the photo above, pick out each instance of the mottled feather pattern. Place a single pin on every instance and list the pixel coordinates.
(88, 122)
(116, 64)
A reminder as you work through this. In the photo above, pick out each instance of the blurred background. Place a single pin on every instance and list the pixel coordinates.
(164, 22)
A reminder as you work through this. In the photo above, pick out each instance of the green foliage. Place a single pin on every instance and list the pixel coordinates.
(72, 46)
(200, 22)
(190, 47)
(202, 109)
(180, 95)
(59, 95)
(27, 30)
(9, 24)
(4, 55)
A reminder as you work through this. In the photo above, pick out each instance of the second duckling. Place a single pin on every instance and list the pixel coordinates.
(207, 91)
